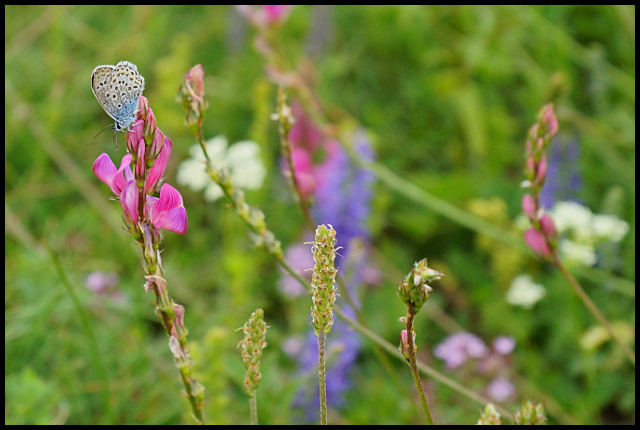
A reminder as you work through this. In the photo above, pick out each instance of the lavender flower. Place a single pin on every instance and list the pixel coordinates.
(457, 348)
(501, 389)
(300, 260)
(345, 191)
(504, 345)
(563, 174)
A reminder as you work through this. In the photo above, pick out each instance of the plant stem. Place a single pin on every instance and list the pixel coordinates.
(322, 377)
(253, 406)
(414, 366)
(591, 306)
(286, 149)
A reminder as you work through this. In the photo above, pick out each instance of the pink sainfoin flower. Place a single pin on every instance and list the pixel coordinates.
(167, 212)
(536, 242)
(541, 237)
(140, 176)
(107, 172)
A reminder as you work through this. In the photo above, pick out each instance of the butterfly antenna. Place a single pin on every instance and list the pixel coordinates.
(115, 138)
(100, 132)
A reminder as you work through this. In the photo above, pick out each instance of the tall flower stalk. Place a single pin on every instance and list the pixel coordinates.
(542, 236)
(414, 292)
(285, 119)
(323, 291)
(145, 216)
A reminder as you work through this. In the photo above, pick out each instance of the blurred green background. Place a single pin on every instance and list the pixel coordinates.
(448, 93)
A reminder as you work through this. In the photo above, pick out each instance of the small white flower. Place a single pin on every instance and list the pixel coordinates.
(242, 159)
(577, 253)
(571, 216)
(609, 228)
(524, 292)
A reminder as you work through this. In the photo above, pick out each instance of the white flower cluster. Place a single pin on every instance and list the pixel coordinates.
(242, 159)
(581, 231)
(524, 292)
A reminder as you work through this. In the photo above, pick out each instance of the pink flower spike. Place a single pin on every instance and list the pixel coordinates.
(528, 206)
(550, 120)
(541, 171)
(167, 212)
(275, 13)
(106, 171)
(548, 227)
(129, 202)
(159, 165)
(535, 240)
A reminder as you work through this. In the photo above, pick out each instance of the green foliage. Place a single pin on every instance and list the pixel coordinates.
(448, 92)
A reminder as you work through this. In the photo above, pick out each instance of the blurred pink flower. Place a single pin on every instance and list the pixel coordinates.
(300, 259)
(528, 206)
(536, 242)
(504, 345)
(457, 348)
(501, 389)
(275, 13)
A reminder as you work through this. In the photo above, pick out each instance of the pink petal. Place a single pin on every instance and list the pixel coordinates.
(159, 166)
(535, 240)
(129, 201)
(548, 227)
(106, 171)
(528, 207)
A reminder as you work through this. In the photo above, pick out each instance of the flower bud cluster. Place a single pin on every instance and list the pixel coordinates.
(323, 288)
(530, 413)
(414, 288)
(255, 331)
(490, 416)
(191, 95)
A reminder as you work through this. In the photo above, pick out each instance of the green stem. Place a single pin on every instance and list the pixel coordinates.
(253, 406)
(287, 148)
(414, 367)
(322, 378)
(591, 306)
